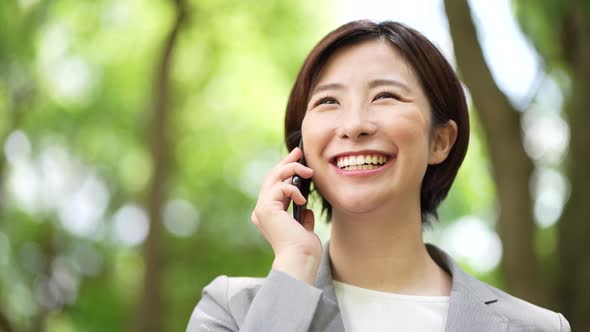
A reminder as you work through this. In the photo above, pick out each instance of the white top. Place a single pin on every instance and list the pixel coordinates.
(370, 310)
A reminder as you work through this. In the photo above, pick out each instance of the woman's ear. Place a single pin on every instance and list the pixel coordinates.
(442, 141)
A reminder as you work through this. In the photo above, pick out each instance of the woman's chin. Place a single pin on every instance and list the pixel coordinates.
(360, 205)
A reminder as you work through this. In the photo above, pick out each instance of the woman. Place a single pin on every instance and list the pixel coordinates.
(385, 128)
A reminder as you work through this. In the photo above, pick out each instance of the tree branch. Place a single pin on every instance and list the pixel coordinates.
(149, 317)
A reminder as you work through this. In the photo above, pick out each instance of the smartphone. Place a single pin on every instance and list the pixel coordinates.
(303, 185)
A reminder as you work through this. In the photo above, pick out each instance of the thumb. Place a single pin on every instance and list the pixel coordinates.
(308, 220)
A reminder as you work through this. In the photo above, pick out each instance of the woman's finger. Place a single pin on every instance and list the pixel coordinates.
(285, 190)
(287, 171)
(294, 155)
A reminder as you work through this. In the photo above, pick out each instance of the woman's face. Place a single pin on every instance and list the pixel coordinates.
(369, 109)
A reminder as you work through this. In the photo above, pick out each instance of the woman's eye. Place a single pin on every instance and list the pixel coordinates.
(386, 95)
(327, 101)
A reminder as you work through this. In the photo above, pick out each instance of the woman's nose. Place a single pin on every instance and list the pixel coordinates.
(355, 124)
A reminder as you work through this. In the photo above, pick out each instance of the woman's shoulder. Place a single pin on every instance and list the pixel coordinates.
(222, 303)
(476, 297)
(522, 313)
(518, 313)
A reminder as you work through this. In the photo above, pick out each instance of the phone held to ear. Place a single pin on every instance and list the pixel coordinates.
(303, 185)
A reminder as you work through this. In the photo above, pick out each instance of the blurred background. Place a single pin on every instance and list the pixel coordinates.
(135, 135)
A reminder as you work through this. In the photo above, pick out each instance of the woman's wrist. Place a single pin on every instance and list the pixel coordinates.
(299, 266)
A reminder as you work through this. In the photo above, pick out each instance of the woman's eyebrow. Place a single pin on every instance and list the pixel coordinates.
(387, 81)
(327, 86)
(372, 84)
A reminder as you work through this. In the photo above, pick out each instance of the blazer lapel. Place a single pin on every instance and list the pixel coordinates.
(324, 282)
(469, 305)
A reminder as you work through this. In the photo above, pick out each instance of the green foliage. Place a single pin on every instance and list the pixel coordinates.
(541, 21)
(77, 80)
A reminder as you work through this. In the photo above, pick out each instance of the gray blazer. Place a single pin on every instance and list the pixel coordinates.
(282, 303)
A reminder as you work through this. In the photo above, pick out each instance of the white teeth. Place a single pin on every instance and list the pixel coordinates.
(356, 162)
(360, 167)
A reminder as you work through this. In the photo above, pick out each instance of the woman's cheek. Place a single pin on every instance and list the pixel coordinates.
(316, 131)
(408, 130)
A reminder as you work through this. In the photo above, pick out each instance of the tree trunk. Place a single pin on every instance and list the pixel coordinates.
(574, 226)
(512, 168)
(149, 316)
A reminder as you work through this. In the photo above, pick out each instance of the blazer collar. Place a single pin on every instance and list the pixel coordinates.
(470, 299)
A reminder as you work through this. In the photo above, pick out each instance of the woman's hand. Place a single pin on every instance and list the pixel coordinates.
(297, 248)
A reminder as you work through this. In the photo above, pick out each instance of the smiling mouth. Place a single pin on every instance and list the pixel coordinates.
(361, 162)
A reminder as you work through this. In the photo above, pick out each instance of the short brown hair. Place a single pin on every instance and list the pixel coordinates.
(436, 76)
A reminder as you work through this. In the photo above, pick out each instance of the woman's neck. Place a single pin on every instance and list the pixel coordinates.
(384, 251)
